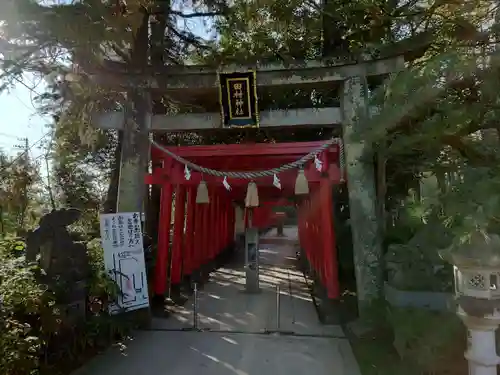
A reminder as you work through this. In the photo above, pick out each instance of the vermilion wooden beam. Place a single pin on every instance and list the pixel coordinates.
(239, 163)
(287, 178)
(234, 150)
(243, 163)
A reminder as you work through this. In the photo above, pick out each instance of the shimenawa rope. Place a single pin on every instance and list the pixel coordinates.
(256, 174)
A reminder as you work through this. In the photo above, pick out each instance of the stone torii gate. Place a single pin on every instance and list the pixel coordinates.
(198, 85)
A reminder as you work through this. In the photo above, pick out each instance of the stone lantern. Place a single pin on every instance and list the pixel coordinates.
(477, 289)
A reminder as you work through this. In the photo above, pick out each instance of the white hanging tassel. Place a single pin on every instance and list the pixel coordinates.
(301, 184)
(226, 184)
(187, 173)
(276, 182)
(252, 198)
(202, 193)
(318, 163)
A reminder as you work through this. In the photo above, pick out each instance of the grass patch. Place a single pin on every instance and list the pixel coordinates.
(413, 342)
(375, 354)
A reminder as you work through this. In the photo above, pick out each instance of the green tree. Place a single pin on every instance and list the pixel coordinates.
(96, 35)
(19, 192)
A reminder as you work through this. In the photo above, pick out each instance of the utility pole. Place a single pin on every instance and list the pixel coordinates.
(25, 162)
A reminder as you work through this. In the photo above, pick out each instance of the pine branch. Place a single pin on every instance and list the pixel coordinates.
(197, 14)
(469, 153)
(189, 38)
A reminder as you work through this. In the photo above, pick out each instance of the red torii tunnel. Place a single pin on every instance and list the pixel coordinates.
(202, 231)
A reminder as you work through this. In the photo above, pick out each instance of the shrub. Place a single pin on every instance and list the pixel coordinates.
(411, 341)
(102, 289)
(33, 332)
(428, 342)
(27, 314)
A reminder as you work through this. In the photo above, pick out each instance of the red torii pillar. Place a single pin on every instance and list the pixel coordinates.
(212, 235)
(177, 241)
(190, 234)
(315, 236)
(307, 232)
(161, 267)
(205, 238)
(222, 223)
(198, 236)
(227, 222)
(217, 226)
(300, 227)
(318, 240)
(230, 223)
(223, 218)
(330, 264)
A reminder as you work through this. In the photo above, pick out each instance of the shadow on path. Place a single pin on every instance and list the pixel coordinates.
(235, 328)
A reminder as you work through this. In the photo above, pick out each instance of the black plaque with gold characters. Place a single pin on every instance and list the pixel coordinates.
(238, 99)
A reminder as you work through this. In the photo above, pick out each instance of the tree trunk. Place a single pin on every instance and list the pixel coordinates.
(158, 46)
(135, 145)
(333, 43)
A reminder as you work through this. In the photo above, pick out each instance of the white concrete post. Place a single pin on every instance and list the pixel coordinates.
(481, 353)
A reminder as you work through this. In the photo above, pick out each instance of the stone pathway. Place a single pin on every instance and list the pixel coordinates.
(238, 329)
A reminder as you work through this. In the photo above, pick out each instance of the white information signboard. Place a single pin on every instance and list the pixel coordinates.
(121, 236)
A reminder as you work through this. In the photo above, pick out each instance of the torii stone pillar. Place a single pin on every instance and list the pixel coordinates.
(135, 154)
(362, 196)
(133, 165)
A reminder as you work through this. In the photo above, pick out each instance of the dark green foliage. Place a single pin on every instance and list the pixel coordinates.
(426, 127)
(24, 307)
(19, 199)
(412, 341)
(32, 326)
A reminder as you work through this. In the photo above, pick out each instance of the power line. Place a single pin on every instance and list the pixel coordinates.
(9, 135)
(31, 89)
(22, 154)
